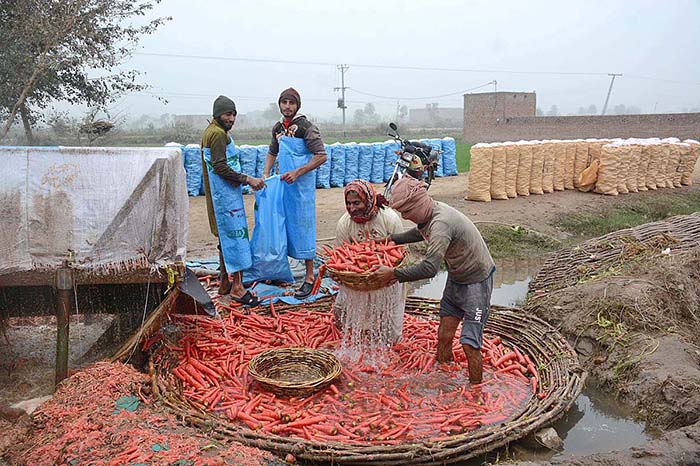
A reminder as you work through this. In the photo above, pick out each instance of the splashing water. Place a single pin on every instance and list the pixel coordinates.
(370, 321)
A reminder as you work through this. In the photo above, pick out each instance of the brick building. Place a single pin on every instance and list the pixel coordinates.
(511, 116)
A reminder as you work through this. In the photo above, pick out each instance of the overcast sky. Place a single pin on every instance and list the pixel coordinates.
(524, 45)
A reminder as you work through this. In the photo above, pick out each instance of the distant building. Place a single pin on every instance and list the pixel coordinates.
(197, 121)
(433, 116)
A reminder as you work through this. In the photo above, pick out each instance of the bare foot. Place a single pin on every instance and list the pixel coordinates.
(224, 285)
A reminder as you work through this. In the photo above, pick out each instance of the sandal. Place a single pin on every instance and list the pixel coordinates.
(304, 290)
(248, 299)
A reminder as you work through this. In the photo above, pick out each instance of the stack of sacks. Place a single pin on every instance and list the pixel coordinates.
(689, 160)
(323, 173)
(612, 166)
(378, 153)
(480, 173)
(337, 156)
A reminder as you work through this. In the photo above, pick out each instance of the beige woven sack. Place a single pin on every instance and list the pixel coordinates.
(634, 158)
(498, 172)
(548, 168)
(623, 153)
(662, 165)
(690, 161)
(512, 155)
(559, 148)
(480, 173)
(522, 183)
(608, 172)
(581, 160)
(676, 168)
(587, 179)
(537, 169)
(569, 161)
(672, 162)
(654, 153)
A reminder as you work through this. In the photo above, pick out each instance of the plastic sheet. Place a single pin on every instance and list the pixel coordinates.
(58, 202)
(299, 199)
(269, 243)
(229, 211)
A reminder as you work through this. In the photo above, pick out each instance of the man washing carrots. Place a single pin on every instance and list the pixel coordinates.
(451, 237)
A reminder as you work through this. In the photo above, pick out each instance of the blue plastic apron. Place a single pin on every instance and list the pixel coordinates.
(230, 213)
(299, 199)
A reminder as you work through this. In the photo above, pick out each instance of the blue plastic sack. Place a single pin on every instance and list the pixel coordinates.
(229, 211)
(323, 173)
(390, 157)
(269, 243)
(377, 175)
(337, 155)
(248, 156)
(192, 159)
(449, 156)
(260, 160)
(365, 161)
(299, 199)
(352, 158)
(435, 144)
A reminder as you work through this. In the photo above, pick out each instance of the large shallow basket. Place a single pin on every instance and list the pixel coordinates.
(359, 281)
(294, 371)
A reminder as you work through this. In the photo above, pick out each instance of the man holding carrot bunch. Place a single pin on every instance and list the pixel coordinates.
(452, 238)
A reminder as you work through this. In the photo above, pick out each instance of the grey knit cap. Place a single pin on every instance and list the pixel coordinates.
(222, 105)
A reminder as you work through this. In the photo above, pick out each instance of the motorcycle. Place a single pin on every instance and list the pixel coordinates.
(415, 159)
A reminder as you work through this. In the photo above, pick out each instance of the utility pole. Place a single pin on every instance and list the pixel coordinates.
(341, 101)
(607, 98)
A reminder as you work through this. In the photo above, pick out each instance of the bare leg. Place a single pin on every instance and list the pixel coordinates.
(237, 289)
(474, 361)
(224, 282)
(446, 333)
(309, 263)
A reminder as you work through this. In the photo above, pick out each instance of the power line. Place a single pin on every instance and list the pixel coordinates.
(422, 98)
(366, 65)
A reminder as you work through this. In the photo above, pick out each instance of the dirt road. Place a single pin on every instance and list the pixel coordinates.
(537, 212)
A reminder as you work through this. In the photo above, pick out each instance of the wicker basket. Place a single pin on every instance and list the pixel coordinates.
(294, 371)
(359, 281)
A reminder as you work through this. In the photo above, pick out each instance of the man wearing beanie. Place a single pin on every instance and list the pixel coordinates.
(454, 239)
(222, 177)
(298, 143)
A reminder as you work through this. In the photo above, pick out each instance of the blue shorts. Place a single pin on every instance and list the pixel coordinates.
(471, 303)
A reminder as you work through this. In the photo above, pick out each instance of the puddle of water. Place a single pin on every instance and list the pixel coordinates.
(510, 282)
(597, 422)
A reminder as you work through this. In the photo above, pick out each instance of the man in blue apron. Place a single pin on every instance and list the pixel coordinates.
(298, 143)
(222, 179)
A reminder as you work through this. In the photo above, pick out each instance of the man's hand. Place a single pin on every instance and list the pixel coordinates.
(383, 275)
(266, 175)
(256, 183)
(290, 176)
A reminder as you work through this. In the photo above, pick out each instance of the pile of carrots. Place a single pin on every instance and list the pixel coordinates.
(406, 396)
(79, 425)
(363, 257)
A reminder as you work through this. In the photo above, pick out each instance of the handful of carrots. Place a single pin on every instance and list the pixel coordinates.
(365, 256)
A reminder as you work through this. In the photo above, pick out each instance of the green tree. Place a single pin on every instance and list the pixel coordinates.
(272, 112)
(67, 51)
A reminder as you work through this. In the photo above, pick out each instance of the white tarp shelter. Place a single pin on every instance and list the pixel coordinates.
(109, 210)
